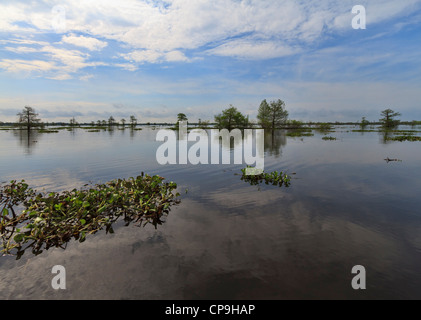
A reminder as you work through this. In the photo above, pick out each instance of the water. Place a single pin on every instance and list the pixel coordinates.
(227, 239)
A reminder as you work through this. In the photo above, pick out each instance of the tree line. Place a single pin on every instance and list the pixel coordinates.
(270, 115)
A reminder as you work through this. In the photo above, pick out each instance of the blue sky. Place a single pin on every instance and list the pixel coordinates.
(92, 59)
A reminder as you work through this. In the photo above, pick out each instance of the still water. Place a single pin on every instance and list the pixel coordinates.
(227, 239)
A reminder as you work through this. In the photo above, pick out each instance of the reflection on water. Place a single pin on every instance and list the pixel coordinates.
(27, 139)
(346, 206)
(274, 141)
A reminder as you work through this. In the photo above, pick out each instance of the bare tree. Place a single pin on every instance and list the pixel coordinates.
(133, 121)
(28, 118)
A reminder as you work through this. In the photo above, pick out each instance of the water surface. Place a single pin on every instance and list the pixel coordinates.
(227, 239)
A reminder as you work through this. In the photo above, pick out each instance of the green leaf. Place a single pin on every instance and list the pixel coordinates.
(18, 238)
(5, 212)
(83, 222)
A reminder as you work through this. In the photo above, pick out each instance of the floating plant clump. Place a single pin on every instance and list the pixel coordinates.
(405, 138)
(329, 138)
(274, 178)
(53, 219)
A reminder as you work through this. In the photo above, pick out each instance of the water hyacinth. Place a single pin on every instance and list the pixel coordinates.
(274, 178)
(53, 219)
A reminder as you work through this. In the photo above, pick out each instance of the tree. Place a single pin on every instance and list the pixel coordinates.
(277, 113)
(231, 118)
(28, 118)
(263, 115)
(123, 122)
(111, 121)
(388, 120)
(133, 121)
(364, 123)
(73, 122)
(182, 117)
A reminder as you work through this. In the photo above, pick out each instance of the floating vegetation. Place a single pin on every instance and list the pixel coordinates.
(53, 219)
(392, 160)
(403, 131)
(324, 127)
(274, 178)
(300, 133)
(365, 130)
(94, 130)
(404, 138)
(329, 138)
(48, 131)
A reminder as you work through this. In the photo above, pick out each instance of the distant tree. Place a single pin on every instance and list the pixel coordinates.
(278, 114)
(98, 123)
(388, 120)
(263, 115)
(364, 123)
(111, 121)
(182, 117)
(73, 122)
(295, 124)
(103, 123)
(28, 118)
(133, 121)
(123, 122)
(231, 118)
(204, 123)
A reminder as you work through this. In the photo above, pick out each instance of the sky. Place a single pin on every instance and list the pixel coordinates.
(92, 59)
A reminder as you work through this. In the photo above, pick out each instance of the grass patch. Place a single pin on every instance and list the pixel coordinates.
(48, 131)
(365, 130)
(94, 128)
(327, 138)
(300, 133)
(404, 138)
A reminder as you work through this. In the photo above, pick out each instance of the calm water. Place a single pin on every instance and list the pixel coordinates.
(346, 206)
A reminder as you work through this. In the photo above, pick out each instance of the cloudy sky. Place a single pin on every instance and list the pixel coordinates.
(94, 58)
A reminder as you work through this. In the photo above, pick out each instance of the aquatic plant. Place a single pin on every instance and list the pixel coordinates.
(329, 138)
(274, 178)
(365, 130)
(53, 219)
(404, 138)
(324, 127)
(48, 131)
(300, 133)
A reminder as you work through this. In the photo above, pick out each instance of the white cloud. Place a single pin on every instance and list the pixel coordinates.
(157, 31)
(26, 66)
(153, 56)
(89, 43)
(248, 49)
(20, 50)
(59, 63)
